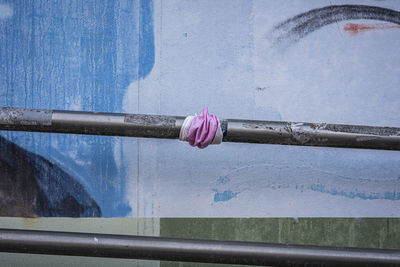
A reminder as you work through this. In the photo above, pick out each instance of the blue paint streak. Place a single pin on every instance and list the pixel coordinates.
(55, 52)
(224, 196)
(146, 43)
(335, 192)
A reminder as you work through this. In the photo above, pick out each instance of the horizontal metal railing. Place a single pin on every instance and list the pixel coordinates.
(160, 126)
(190, 250)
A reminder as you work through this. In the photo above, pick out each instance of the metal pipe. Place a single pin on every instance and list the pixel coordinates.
(190, 250)
(160, 126)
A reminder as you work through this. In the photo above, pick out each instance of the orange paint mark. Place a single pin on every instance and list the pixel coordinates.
(354, 28)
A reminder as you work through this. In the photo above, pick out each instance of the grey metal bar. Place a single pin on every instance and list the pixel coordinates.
(313, 134)
(160, 126)
(190, 250)
(55, 121)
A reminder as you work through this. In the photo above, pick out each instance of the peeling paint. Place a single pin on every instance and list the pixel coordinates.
(17, 116)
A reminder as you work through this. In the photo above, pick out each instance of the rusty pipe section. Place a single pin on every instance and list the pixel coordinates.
(190, 250)
(161, 126)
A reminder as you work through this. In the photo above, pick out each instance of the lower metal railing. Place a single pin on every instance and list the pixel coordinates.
(190, 250)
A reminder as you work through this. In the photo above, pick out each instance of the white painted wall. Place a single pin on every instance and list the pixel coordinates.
(221, 55)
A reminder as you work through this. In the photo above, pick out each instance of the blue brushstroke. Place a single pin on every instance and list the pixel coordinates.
(275, 180)
(335, 192)
(146, 40)
(54, 53)
(224, 196)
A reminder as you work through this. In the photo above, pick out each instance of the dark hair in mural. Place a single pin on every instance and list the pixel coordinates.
(31, 186)
(297, 27)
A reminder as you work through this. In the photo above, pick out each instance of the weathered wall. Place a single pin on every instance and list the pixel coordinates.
(268, 60)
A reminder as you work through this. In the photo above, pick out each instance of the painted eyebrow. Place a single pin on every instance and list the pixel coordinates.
(293, 29)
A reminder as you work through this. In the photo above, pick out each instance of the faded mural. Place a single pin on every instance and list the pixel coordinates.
(69, 55)
(272, 60)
